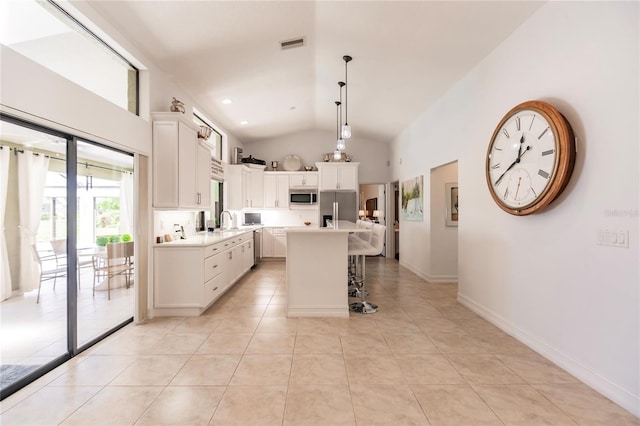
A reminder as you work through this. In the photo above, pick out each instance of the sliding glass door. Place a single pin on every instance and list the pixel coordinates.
(60, 197)
(105, 227)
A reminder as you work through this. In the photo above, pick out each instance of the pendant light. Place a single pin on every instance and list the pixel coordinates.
(340, 145)
(346, 129)
(337, 154)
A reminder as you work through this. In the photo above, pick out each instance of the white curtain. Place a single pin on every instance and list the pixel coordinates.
(32, 176)
(5, 274)
(126, 204)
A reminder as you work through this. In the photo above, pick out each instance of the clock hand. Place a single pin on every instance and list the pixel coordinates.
(515, 197)
(517, 160)
(521, 142)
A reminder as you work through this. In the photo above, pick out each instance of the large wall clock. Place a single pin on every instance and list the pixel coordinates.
(530, 158)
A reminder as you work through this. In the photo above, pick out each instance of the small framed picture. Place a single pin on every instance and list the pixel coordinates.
(451, 203)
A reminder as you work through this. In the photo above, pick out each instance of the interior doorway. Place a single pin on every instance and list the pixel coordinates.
(394, 217)
(444, 217)
(372, 206)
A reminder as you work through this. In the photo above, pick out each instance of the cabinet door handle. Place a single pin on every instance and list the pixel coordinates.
(215, 288)
(230, 255)
(215, 266)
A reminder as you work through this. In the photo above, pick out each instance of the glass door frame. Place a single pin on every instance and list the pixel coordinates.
(72, 282)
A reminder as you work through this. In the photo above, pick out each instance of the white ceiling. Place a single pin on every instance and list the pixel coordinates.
(405, 55)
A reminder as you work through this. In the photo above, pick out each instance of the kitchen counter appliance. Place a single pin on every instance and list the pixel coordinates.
(303, 197)
(252, 219)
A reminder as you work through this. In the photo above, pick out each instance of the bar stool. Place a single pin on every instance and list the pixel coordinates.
(357, 240)
(374, 248)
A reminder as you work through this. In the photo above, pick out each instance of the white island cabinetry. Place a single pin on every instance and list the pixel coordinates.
(190, 275)
(317, 270)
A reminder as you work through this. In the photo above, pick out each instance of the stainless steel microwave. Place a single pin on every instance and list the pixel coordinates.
(303, 197)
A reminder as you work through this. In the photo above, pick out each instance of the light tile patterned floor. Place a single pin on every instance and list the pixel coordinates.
(423, 359)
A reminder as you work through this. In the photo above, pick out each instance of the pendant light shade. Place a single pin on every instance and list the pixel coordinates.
(340, 142)
(346, 128)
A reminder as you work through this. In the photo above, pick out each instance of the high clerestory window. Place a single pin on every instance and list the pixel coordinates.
(42, 31)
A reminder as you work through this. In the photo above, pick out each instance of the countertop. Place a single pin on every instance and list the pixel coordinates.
(342, 226)
(203, 239)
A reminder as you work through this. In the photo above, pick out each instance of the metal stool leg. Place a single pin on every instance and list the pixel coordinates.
(363, 306)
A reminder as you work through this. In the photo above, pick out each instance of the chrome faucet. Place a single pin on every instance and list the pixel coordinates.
(221, 218)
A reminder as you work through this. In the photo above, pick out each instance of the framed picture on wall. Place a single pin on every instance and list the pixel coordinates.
(451, 203)
(412, 196)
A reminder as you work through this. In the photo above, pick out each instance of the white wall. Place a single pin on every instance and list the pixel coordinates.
(542, 277)
(311, 145)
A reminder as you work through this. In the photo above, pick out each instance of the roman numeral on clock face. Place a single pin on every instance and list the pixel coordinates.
(496, 166)
(506, 133)
(543, 174)
(549, 152)
(518, 123)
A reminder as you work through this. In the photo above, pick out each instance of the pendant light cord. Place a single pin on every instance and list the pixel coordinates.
(347, 59)
(338, 119)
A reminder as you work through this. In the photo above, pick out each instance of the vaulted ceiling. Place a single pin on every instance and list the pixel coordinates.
(405, 55)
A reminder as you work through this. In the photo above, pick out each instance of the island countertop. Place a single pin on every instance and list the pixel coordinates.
(341, 226)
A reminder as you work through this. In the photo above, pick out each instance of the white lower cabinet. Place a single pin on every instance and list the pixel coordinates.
(274, 242)
(188, 279)
(247, 255)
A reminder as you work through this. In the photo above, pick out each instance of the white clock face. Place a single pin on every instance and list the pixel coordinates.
(522, 159)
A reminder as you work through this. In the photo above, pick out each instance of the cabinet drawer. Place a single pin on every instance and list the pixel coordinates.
(214, 249)
(213, 266)
(242, 238)
(213, 288)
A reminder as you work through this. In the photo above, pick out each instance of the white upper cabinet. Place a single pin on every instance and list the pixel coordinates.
(244, 186)
(303, 180)
(276, 190)
(338, 176)
(180, 175)
(255, 187)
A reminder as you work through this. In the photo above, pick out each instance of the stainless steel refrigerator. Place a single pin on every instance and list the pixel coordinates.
(347, 206)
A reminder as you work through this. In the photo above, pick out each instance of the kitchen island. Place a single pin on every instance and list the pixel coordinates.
(317, 260)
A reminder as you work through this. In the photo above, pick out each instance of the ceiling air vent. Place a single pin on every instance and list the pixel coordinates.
(290, 44)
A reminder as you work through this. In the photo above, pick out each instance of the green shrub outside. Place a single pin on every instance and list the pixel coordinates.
(106, 239)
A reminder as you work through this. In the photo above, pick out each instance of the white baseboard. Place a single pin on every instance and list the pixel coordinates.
(589, 376)
(435, 279)
(443, 279)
